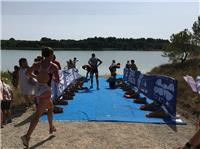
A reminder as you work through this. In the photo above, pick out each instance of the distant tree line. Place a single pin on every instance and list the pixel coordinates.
(96, 43)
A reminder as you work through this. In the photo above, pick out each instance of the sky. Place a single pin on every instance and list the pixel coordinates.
(80, 19)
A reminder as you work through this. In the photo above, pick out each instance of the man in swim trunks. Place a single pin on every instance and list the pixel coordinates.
(46, 69)
(94, 64)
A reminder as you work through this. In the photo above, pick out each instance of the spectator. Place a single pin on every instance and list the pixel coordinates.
(70, 64)
(15, 76)
(133, 66)
(56, 62)
(25, 84)
(127, 64)
(1, 98)
(75, 61)
(6, 103)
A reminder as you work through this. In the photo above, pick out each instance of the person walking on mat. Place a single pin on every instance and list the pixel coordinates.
(94, 64)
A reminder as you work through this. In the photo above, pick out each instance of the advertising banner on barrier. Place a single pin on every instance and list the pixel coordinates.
(133, 77)
(126, 74)
(76, 74)
(66, 78)
(164, 92)
(146, 85)
(163, 89)
(191, 82)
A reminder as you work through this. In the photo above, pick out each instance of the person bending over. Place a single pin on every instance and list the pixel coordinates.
(94, 64)
(88, 69)
(113, 68)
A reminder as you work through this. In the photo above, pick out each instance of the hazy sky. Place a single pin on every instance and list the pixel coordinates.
(82, 19)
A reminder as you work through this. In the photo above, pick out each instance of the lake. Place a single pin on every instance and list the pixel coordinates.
(144, 60)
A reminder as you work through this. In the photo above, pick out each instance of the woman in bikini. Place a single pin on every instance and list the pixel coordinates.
(46, 69)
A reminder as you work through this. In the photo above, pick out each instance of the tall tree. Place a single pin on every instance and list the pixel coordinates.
(196, 32)
(180, 46)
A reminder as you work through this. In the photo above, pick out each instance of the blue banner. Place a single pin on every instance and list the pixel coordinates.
(133, 77)
(126, 74)
(163, 89)
(146, 85)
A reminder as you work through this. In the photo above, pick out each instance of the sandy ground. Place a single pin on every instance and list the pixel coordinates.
(95, 135)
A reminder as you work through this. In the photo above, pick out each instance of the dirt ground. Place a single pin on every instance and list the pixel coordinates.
(96, 135)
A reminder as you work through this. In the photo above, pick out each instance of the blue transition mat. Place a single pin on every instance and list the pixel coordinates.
(105, 105)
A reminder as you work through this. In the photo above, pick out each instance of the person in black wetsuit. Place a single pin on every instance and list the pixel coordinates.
(94, 64)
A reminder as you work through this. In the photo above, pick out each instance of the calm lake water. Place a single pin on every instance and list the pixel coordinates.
(143, 59)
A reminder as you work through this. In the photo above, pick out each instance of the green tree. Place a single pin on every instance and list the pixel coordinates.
(12, 39)
(180, 46)
(196, 35)
(196, 32)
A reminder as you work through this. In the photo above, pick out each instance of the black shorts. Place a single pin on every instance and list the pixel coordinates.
(94, 70)
(5, 104)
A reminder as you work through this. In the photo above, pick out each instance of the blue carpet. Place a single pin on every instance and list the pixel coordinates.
(104, 105)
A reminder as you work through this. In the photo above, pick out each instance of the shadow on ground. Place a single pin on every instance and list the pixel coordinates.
(42, 142)
(27, 120)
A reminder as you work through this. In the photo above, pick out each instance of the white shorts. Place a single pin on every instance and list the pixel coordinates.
(41, 88)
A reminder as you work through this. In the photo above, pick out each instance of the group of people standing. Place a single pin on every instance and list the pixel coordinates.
(131, 65)
(94, 63)
(71, 63)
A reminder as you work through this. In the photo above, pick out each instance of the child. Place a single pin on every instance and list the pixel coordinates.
(6, 103)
